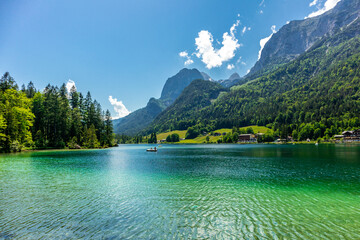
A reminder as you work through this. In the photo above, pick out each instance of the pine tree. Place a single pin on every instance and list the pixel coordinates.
(109, 138)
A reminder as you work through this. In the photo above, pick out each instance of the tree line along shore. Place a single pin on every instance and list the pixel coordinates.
(51, 118)
(248, 134)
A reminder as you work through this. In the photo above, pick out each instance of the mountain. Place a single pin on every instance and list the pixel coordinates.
(298, 36)
(206, 76)
(176, 84)
(321, 83)
(197, 95)
(316, 94)
(233, 80)
(138, 119)
(141, 118)
(306, 83)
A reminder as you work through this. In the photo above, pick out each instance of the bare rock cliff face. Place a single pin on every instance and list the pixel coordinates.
(298, 36)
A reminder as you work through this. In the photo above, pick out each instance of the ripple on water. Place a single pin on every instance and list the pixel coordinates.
(254, 192)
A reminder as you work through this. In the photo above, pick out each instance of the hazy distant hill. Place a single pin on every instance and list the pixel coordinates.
(233, 80)
(141, 118)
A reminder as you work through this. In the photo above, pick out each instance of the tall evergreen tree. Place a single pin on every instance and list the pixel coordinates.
(108, 129)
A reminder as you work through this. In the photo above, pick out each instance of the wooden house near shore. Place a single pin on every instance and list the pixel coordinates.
(349, 136)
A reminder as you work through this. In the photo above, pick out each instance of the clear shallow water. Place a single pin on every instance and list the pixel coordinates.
(188, 192)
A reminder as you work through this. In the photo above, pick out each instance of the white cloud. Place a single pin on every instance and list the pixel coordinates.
(183, 54)
(265, 40)
(188, 61)
(248, 71)
(215, 57)
(119, 108)
(230, 66)
(262, 2)
(313, 3)
(261, 11)
(70, 83)
(329, 4)
(238, 15)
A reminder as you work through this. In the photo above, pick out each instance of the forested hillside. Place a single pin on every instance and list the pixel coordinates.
(196, 96)
(316, 95)
(50, 119)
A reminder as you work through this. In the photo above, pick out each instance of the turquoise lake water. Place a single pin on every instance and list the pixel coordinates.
(182, 192)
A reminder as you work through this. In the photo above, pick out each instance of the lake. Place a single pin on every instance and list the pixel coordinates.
(183, 192)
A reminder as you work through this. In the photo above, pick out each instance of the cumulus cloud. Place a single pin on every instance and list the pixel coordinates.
(188, 61)
(230, 66)
(329, 4)
(70, 83)
(261, 11)
(119, 108)
(183, 54)
(262, 3)
(215, 57)
(265, 40)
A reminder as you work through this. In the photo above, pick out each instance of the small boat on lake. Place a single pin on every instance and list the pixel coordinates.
(151, 149)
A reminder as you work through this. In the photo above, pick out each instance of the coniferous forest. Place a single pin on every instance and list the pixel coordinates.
(52, 118)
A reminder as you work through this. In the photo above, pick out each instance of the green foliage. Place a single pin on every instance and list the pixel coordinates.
(108, 130)
(48, 119)
(173, 138)
(192, 132)
(181, 114)
(89, 138)
(315, 96)
(235, 137)
(72, 144)
(153, 138)
(16, 119)
(269, 136)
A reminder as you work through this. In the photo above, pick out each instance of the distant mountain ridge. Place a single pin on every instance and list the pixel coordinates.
(173, 87)
(231, 81)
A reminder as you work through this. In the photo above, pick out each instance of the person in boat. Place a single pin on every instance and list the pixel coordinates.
(155, 148)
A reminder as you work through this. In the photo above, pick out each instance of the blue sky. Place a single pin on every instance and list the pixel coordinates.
(127, 49)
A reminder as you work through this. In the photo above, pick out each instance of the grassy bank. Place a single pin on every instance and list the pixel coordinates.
(212, 139)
